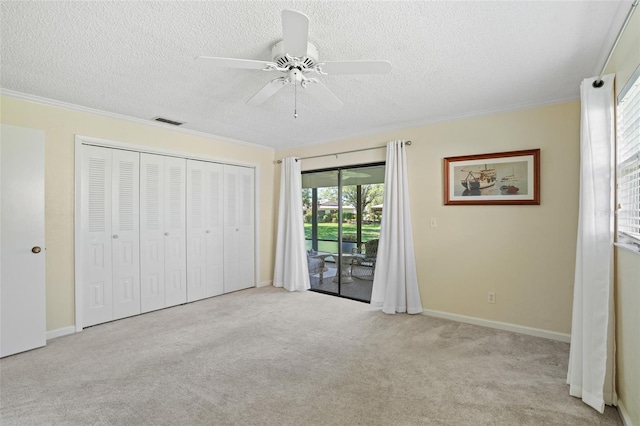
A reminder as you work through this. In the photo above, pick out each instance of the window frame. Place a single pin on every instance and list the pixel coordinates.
(627, 236)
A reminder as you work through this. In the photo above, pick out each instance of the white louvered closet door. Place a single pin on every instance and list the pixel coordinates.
(239, 244)
(214, 234)
(125, 196)
(247, 224)
(96, 231)
(152, 291)
(196, 247)
(175, 262)
(159, 231)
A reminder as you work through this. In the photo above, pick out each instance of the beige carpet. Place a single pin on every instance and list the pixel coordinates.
(268, 357)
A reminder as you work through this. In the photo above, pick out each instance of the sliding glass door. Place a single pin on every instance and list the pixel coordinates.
(342, 213)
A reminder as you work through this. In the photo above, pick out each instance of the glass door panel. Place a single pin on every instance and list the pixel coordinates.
(361, 193)
(320, 207)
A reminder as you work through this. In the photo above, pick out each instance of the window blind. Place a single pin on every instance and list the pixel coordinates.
(628, 160)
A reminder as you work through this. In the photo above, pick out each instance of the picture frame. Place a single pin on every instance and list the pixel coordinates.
(494, 179)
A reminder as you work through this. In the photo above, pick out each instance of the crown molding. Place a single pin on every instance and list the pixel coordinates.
(73, 107)
(371, 132)
(432, 121)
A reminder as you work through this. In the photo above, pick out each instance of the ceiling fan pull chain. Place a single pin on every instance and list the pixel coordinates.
(295, 99)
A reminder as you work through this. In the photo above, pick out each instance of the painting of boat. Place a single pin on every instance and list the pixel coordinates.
(496, 178)
(479, 180)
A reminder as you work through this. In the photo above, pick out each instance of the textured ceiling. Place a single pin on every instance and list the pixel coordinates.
(450, 60)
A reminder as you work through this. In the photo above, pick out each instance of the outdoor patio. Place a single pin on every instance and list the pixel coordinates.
(352, 287)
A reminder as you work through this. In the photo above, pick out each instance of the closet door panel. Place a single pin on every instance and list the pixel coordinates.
(152, 239)
(231, 230)
(196, 246)
(97, 239)
(174, 231)
(247, 234)
(125, 196)
(214, 234)
(238, 232)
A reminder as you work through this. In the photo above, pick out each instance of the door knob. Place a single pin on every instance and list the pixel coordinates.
(208, 232)
(115, 237)
(166, 234)
(36, 250)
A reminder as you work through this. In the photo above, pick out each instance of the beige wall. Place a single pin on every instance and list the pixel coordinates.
(525, 254)
(60, 127)
(623, 63)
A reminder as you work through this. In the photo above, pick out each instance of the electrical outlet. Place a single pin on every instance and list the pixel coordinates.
(491, 297)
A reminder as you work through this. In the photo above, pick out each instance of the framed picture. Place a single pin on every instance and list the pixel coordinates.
(498, 178)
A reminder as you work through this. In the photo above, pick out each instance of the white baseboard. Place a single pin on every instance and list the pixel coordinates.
(624, 415)
(61, 332)
(264, 283)
(562, 337)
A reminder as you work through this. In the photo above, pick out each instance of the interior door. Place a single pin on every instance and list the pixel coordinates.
(22, 251)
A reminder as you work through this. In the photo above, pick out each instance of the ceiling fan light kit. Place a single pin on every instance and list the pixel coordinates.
(295, 57)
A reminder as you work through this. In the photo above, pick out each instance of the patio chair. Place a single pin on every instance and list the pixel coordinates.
(364, 260)
(316, 265)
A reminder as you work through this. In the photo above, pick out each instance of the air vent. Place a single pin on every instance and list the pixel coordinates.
(166, 120)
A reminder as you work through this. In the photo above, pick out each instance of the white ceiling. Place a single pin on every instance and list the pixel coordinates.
(450, 60)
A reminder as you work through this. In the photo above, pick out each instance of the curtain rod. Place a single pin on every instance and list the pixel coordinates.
(598, 82)
(343, 152)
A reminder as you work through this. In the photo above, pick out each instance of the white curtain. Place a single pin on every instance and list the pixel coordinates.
(395, 282)
(291, 269)
(591, 358)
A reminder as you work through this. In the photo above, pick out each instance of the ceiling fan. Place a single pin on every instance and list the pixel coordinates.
(295, 57)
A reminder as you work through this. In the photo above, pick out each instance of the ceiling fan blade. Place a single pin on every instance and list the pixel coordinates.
(267, 91)
(356, 67)
(295, 33)
(238, 63)
(323, 95)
